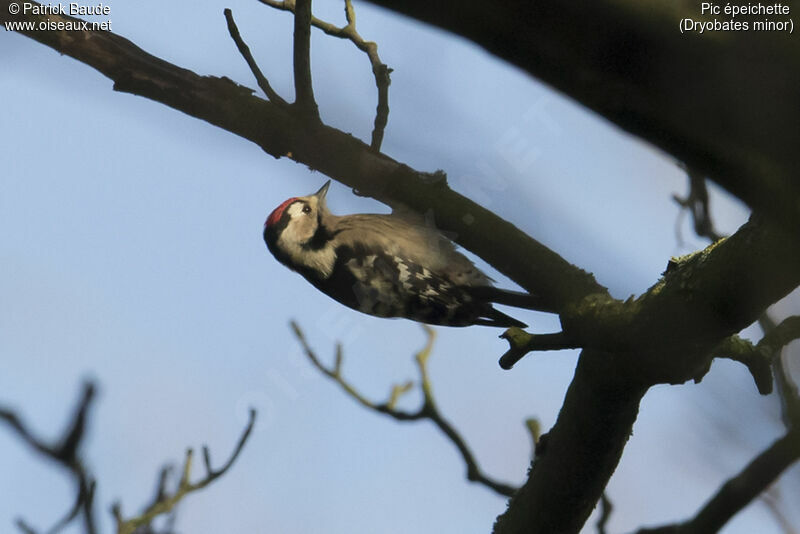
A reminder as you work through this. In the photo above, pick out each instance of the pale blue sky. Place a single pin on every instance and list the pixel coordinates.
(131, 253)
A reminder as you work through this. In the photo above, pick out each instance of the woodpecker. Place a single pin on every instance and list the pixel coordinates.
(385, 265)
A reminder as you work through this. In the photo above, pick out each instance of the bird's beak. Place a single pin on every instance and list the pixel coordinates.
(323, 190)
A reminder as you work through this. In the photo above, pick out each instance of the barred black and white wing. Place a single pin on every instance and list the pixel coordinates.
(387, 285)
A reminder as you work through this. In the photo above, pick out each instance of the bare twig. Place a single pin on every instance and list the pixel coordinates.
(740, 490)
(84, 500)
(244, 50)
(787, 389)
(759, 358)
(161, 487)
(778, 336)
(428, 410)
(304, 91)
(164, 502)
(771, 498)
(697, 203)
(605, 513)
(24, 527)
(534, 428)
(66, 454)
(521, 343)
(379, 69)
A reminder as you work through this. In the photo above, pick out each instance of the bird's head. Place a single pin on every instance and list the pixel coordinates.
(297, 225)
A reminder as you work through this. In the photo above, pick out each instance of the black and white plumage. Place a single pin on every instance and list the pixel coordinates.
(385, 265)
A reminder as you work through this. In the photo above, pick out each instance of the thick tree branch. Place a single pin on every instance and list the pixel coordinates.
(428, 410)
(280, 133)
(665, 336)
(760, 360)
(668, 333)
(582, 449)
(720, 102)
(702, 299)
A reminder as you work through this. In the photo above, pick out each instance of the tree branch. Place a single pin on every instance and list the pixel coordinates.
(668, 333)
(244, 50)
(697, 203)
(65, 453)
(165, 502)
(379, 69)
(740, 490)
(521, 343)
(776, 337)
(428, 409)
(606, 507)
(757, 361)
(759, 358)
(582, 449)
(702, 298)
(664, 336)
(304, 91)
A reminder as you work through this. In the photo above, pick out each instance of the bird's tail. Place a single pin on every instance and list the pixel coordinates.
(494, 317)
(507, 297)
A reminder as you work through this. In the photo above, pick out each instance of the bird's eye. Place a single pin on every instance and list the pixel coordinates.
(306, 209)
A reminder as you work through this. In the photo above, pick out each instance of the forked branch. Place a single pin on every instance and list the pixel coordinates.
(740, 490)
(379, 69)
(165, 502)
(66, 452)
(428, 409)
(760, 358)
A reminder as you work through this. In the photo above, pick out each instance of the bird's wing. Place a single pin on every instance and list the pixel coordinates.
(417, 243)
